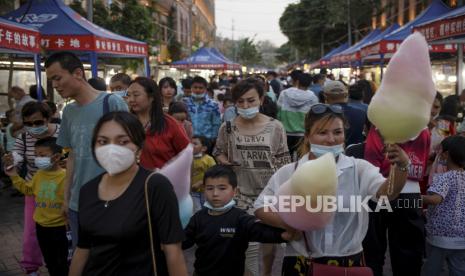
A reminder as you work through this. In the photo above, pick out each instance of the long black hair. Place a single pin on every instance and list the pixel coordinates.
(157, 116)
(170, 82)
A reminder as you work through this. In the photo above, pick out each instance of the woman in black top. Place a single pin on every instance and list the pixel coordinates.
(113, 227)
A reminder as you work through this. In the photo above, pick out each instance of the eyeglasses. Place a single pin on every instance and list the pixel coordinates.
(318, 109)
(34, 123)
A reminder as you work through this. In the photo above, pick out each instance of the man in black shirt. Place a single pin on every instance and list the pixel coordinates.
(221, 231)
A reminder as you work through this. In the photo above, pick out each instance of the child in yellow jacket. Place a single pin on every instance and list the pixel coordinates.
(47, 185)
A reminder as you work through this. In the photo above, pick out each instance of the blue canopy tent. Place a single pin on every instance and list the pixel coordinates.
(389, 43)
(63, 29)
(345, 56)
(20, 39)
(205, 58)
(325, 60)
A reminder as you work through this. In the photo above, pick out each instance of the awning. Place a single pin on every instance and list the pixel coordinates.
(16, 37)
(206, 58)
(62, 28)
(449, 25)
(390, 42)
(354, 51)
(326, 59)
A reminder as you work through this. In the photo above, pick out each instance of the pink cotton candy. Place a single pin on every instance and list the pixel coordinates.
(178, 171)
(401, 107)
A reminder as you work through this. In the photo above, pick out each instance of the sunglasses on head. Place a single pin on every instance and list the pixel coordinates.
(34, 123)
(318, 109)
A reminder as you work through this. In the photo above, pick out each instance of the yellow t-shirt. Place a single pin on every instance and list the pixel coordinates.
(48, 189)
(199, 167)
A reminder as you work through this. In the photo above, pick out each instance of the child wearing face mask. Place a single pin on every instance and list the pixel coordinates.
(221, 231)
(47, 185)
(445, 226)
(202, 162)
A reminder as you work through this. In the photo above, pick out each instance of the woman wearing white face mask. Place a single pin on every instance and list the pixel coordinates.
(114, 229)
(255, 145)
(340, 242)
(36, 116)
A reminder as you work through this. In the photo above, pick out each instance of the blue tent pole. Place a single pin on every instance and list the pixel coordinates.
(147, 67)
(37, 71)
(93, 64)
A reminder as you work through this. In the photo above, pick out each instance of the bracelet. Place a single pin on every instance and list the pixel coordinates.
(404, 168)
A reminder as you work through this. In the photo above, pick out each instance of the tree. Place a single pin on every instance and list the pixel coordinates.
(284, 53)
(268, 53)
(174, 47)
(247, 52)
(313, 25)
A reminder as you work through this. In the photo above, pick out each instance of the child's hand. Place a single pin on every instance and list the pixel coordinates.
(10, 170)
(291, 235)
(197, 185)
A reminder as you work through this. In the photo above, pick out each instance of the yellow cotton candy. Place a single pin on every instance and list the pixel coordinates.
(315, 178)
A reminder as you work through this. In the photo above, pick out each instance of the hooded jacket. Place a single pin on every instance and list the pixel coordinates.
(293, 105)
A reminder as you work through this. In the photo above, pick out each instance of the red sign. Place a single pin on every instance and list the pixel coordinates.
(441, 29)
(12, 37)
(91, 43)
(207, 66)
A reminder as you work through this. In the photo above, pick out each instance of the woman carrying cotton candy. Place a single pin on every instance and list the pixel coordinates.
(340, 241)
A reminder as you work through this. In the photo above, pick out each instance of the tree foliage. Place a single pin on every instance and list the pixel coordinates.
(174, 46)
(310, 23)
(247, 52)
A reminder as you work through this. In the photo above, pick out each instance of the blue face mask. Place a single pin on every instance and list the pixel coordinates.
(319, 150)
(248, 113)
(43, 163)
(198, 96)
(37, 130)
(226, 207)
(121, 93)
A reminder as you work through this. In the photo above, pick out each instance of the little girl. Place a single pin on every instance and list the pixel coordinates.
(446, 215)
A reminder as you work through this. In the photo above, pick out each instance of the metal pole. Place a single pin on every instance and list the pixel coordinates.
(382, 67)
(349, 29)
(94, 64)
(37, 71)
(459, 68)
(147, 67)
(90, 10)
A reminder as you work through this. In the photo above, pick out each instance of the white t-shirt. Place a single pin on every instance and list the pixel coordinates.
(344, 235)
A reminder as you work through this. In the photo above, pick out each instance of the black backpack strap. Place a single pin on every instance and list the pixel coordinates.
(106, 104)
(228, 127)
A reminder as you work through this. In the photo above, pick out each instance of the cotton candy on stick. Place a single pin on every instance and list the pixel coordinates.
(313, 179)
(401, 107)
(178, 171)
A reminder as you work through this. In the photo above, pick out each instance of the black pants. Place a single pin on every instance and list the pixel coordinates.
(54, 246)
(293, 144)
(405, 232)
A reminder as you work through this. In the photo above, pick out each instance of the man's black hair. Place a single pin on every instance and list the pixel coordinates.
(67, 60)
(218, 171)
(186, 83)
(98, 83)
(295, 74)
(318, 77)
(49, 142)
(199, 79)
(305, 80)
(122, 77)
(356, 92)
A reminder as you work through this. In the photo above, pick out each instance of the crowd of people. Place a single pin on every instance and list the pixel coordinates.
(95, 204)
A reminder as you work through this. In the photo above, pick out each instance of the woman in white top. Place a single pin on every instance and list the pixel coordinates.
(339, 242)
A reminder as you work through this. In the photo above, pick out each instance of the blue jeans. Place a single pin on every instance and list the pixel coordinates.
(199, 199)
(435, 261)
(74, 226)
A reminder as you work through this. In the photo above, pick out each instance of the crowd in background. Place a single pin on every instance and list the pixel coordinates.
(84, 172)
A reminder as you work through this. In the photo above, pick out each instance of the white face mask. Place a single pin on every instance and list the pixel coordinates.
(115, 159)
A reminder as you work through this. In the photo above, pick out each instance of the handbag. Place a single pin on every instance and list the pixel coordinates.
(149, 220)
(316, 269)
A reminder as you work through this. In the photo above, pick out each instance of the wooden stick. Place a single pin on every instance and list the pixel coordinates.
(392, 175)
